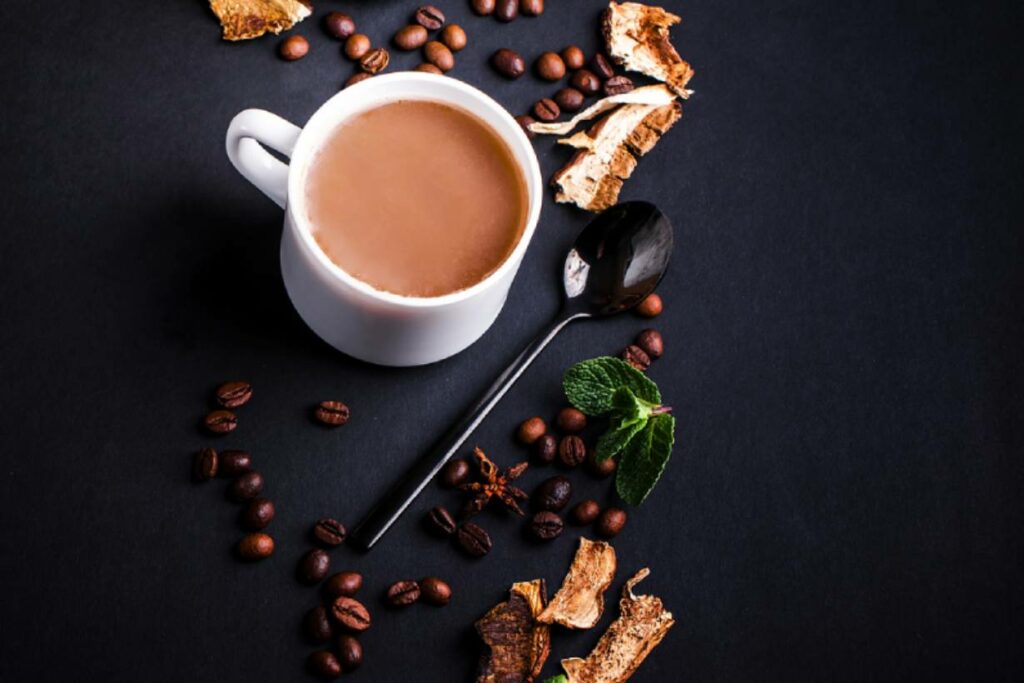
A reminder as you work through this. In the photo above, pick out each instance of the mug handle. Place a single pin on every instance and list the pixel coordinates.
(248, 132)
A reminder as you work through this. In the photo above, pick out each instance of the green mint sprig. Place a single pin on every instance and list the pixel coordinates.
(641, 431)
(557, 678)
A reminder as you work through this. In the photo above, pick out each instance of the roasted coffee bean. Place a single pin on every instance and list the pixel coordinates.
(339, 25)
(524, 121)
(586, 82)
(334, 413)
(552, 494)
(600, 468)
(473, 540)
(324, 664)
(357, 77)
(403, 593)
(350, 613)
(573, 57)
(255, 546)
(313, 567)
(508, 63)
(220, 422)
(232, 462)
(650, 307)
(546, 526)
(343, 583)
(439, 55)
(545, 449)
(618, 85)
(246, 486)
(329, 532)
(610, 522)
(506, 10)
(257, 514)
(651, 342)
(571, 450)
(435, 591)
(531, 429)
(636, 357)
(454, 37)
(602, 67)
(373, 62)
(317, 625)
(350, 652)
(585, 512)
(483, 7)
(440, 522)
(293, 48)
(455, 473)
(531, 8)
(430, 17)
(204, 465)
(549, 66)
(357, 45)
(234, 394)
(569, 99)
(428, 69)
(411, 37)
(571, 421)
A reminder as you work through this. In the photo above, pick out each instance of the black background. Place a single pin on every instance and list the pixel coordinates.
(843, 323)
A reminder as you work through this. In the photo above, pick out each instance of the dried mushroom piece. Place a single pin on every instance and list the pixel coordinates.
(642, 624)
(517, 645)
(244, 19)
(636, 36)
(579, 603)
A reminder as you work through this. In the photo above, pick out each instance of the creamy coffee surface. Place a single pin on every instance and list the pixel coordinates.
(416, 198)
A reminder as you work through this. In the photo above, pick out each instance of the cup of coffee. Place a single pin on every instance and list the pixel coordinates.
(409, 201)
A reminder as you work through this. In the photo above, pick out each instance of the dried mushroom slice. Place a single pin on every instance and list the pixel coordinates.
(517, 645)
(642, 624)
(244, 19)
(579, 603)
(636, 36)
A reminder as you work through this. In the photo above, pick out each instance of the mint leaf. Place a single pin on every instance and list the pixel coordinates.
(590, 385)
(644, 459)
(618, 436)
(629, 416)
(559, 678)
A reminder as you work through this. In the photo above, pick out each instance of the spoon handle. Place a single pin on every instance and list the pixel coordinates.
(389, 508)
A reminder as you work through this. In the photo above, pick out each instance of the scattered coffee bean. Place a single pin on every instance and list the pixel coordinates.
(373, 62)
(571, 450)
(428, 69)
(246, 486)
(336, 413)
(552, 494)
(531, 8)
(651, 342)
(313, 567)
(356, 78)
(403, 593)
(506, 10)
(343, 584)
(483, 7)
(650, 307)
(350, 652)
(430, 17)
(329, 532)
(618, 85)
(257, 514)
(234, 394)
(454, 37)
(585, 512)
(473, 540)
(636, 357)
(602, 67)
(508, 63)
(440, 522)
(545, 449)
(573, 57)
(204, 465)
(317, 625)
(357, 45)
(255, 546)
(569, 99)
(546, 526)
(339, 25)
(411, 37)
(610, 522)
(293, 48)
(571, 421)
(324, 664)
(350, 613)
(435, 591)
(232, 462)
(455, 473)
(221, 422)
(439, 55)
(524, 121)
(586, 82)
(600, 468)
(550, 66)
(531, 429)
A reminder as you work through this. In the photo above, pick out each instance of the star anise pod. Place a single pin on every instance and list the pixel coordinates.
(495, 485)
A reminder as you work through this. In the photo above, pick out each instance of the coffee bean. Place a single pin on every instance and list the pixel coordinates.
(618, 85)
(246, 486)
(428, 69)
(313, 567)
(546, 526)
(329, 532)
(549, 66)
(204, 465)
(343, 583)
(651, 342)
(483, 7)
(317, 625)
(545, 449)
(531, 429)
(610, 522)
(357, 45)
(411, 37)
(473, 540)
(455, 473)
(232, 462)
(600, 468)
(334, 413)
(430, 17)
(552, 494)
(255, 546)
(439, 55)
(569, 99)
(601, 66)
(220, 422)
(454, 37)
(571, 421)
(234, 394)
(586, 82)
(357, 77)
(571, 450)
(293, 48)
(506, 10)
(435, 591)
(324, 664)
(440, 522)
(350, 652)
(636, 357)
(257, 514)
(339, 25)
(650, 307)
(585, 512)
(524, 122)
(350, 613)
(403, 593)
(531, 8)
(573, 57)
(373, 62)
(508, 63)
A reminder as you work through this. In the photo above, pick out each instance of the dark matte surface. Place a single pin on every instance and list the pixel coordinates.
(843, 322)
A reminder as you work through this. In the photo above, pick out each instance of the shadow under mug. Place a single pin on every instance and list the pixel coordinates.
(350, 315)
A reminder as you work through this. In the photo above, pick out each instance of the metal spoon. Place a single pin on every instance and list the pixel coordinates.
(617, 260)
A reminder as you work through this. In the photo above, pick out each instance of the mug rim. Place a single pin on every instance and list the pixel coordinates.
(513, 135)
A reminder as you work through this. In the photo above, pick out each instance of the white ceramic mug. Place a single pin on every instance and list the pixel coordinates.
(350, 315)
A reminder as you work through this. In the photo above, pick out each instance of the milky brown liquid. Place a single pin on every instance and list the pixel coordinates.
(416, 198)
